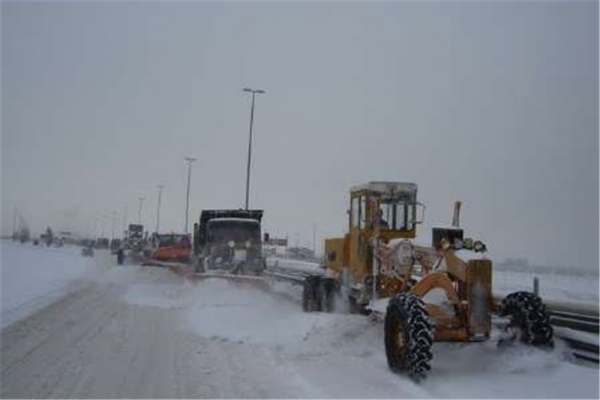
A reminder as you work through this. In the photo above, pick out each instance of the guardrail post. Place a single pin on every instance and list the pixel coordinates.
(536, 286)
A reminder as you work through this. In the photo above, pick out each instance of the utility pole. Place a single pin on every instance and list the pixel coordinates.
(141, 199)
(125, 219)
(314, 239)
(189, 160)
(254, 92)
(101, 218)
(14, 230)
(113, 221)
(160, 188)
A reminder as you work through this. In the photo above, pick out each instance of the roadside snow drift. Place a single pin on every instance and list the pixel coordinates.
(34, 276)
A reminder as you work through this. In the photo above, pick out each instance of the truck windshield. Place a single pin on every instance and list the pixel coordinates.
(236, 230)
(172, 240)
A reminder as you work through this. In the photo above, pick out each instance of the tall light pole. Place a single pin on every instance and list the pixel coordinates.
(160, 188)
(254, 92)
(114, 216)
(314, 243)
(125, 218)
(189, 160)
(141, 199)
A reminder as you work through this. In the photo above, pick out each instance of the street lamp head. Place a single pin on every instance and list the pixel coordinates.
(189, 159)
(253, 90)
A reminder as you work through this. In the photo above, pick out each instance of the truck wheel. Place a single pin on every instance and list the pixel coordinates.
(408, 336)
(310, 294)
(529, 320)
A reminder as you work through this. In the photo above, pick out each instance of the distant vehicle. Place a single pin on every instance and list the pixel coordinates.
(102, 243)
(86, 242)
(172, 247)
(134, 237)
(48, 237)
(134, 244)
(87, 251)
(115, 244)
(229, 240)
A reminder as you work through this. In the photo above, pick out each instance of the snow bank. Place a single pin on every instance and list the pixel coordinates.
(294, 265)
(230, 311)
(343, 355)
(32, 277)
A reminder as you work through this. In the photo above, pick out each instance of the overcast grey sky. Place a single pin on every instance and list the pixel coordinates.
(492, 103)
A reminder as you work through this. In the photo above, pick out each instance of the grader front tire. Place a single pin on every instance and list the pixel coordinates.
(408, 336)
(528, 315)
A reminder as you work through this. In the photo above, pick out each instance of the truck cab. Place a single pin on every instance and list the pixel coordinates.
(229, 240)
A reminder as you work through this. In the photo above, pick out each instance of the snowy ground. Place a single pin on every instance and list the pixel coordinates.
(34, 276)
(130, 331)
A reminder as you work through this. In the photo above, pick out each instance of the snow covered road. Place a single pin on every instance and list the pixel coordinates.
(130, 331)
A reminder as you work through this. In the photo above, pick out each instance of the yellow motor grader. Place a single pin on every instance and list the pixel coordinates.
(378, 260)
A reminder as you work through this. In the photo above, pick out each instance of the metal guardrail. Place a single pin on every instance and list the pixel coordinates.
(579, 331)
(575, 323)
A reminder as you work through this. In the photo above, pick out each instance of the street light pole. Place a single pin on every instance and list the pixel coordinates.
(254, 92)
(189, 160)
(114, 216)
(160, 188)
(141, 199)
(125, 218)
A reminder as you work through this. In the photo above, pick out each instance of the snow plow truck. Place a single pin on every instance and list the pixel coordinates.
(171, 247)
(229, 241)
(379, 267)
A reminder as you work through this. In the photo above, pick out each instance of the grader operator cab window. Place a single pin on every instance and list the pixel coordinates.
(354, 213)
(396, 215)
(390, 206)
(358, 212)
(362, 211)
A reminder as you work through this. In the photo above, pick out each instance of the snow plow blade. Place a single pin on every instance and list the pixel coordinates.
(187, 271)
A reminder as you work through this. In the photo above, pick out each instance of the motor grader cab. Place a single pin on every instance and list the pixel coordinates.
(382, 211)
(378, 260)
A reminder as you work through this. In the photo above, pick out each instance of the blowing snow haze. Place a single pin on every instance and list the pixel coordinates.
(491, 103)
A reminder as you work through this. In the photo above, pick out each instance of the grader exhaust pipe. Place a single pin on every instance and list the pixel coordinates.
(456, 214)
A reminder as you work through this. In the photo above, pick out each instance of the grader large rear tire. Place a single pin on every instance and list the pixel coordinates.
(529, 317)
(408, 336)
